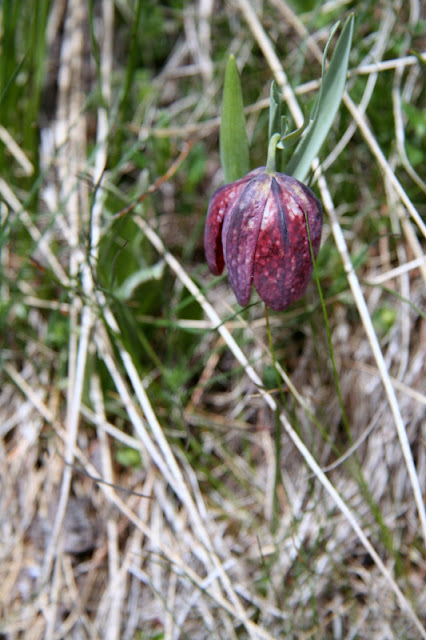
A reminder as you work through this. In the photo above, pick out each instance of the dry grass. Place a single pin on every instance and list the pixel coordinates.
(200, 540)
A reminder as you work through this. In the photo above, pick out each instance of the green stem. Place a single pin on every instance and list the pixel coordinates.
(330, 342)
(278, 427)
(272, 150)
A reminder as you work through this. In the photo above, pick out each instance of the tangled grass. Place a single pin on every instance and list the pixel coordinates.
(164, 472)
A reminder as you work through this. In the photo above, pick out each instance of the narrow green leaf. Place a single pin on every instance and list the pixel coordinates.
(277, 123)
(291, 138)
(330, 96)
(332, 32)
(234, 151)
(274, 110)
(323, 67)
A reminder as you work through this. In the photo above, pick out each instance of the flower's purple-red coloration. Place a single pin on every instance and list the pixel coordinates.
(257, 227)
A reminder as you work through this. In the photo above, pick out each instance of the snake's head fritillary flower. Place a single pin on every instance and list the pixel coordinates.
(257, 227)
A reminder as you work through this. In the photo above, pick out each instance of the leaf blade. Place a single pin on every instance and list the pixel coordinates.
(233, 141)
(330, 96)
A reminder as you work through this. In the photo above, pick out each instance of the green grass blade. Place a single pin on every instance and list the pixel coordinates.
(329, 99)
(234, 152)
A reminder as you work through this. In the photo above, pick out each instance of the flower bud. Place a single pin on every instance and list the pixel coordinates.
(257, 227)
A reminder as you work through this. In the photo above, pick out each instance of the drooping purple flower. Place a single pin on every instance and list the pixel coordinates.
(257, 227)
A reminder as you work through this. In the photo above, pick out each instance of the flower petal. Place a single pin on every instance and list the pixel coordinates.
(240, 232)
(283, 264)
(220, 202)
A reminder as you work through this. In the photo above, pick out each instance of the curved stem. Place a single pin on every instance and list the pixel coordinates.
(272, 149)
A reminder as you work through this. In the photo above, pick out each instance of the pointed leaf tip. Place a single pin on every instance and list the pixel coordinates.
(329, 98)
(234, 149)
